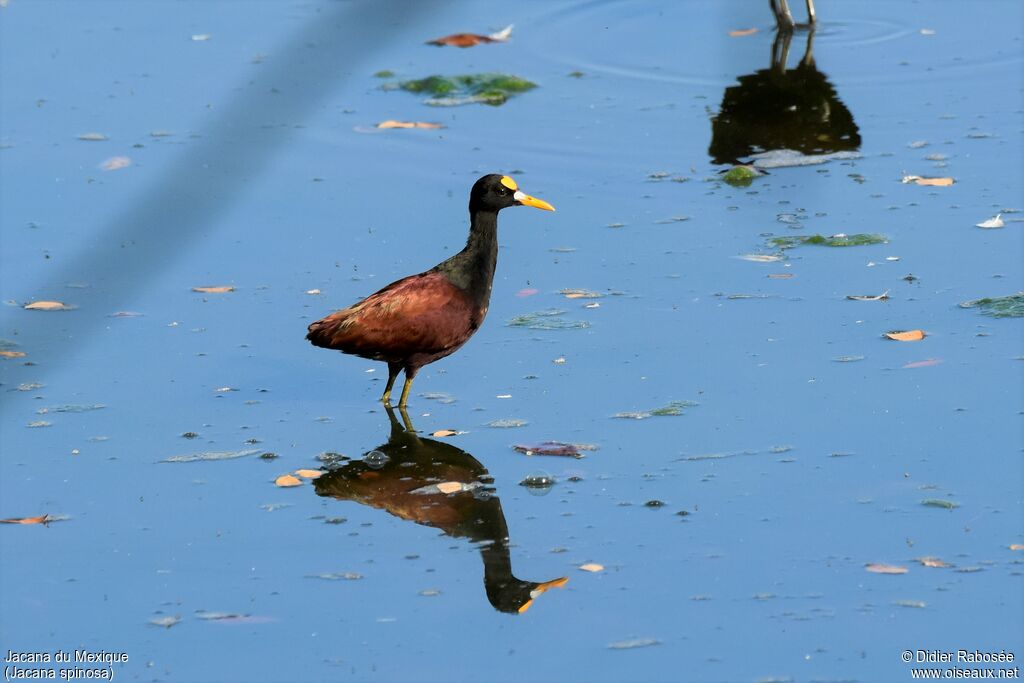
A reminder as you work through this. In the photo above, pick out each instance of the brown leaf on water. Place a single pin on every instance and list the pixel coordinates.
(571, 450)
(286, 480)
(47, 306)
(447, 487)
(592, 567)
(1017, 546)
(906, 336)
(471, 39)
(41, 519)
(309, 474)
(445, 432)
(218, 289)
(932, 562)
(932, 182)
(740, 32)
(12, 354)
(409, 124)
(879, 568)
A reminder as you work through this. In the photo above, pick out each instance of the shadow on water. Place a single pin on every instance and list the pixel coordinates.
(780, 108)
(438, 485)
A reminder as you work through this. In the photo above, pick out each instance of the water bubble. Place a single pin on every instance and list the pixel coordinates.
(376, 459)
(538, 483)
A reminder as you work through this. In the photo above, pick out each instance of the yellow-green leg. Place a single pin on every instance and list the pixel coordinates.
(393, 370)
(405, 391)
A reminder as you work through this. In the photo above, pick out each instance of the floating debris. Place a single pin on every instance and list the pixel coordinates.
(441, 433)
(549, 319)
(580, 294)
(633, 644)
(48, 306)
(918, 604)
(71, 408)
(447, 488)
(216, 289)
(439, 396)
(1011, 306)
(848, 359)
(287, 481)
(762, 258)
(741, 176)
(471, 39)
(994, 222)
(408, 124)
(592, 567)
(867, 297)
(905, 336)
(930, 182)
(115, 163)
(93, 137)
(336, 576)
(879, 568)
(655, 503)
(940, 503)
(786, 158)
(165, 622)
(933, 562)
(672, 409)
(837, 240)
(571, 450)
(447, 91)
(507, 423)
(212, 455)
(41, 519)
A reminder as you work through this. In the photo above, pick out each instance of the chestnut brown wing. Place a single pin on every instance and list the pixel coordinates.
(422, 315)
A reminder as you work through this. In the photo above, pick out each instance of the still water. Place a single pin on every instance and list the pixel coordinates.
(750, 440)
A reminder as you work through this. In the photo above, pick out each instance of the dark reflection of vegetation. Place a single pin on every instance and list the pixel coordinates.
(404, 484)
(780, 108)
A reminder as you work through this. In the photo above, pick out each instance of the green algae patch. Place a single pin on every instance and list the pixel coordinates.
(449, 91)
(385, 73)
(1011, 306)
(840, 240)
(740, 176)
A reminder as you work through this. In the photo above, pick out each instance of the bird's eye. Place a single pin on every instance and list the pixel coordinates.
(502, 191)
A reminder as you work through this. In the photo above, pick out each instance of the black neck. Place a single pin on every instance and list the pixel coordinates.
(472, 268)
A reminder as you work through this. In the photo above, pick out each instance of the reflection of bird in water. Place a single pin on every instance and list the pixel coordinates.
(411, 483)
(425, 317)
(784, 18)
(780, 108)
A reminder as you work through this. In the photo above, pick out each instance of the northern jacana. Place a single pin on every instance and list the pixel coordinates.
(413, 482)
(423, 318)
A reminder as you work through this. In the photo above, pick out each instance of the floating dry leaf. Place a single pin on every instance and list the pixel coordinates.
(447, 487)
(1017, 546)
(933, 182)
(41, 519)
(592, 567)
(994, 222)
(115, 163)
(867, 297)
(879, 568)
(409, 124)
(761, 258)
(932, 562)
(310, 474)
(286, 480)
(47, 306)
(471, 39)
(12, 354)
(165, 622)
(580, 294)
(928, 362)
(445, 432)
(218, 289)
(906, 336)
(740, 32)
